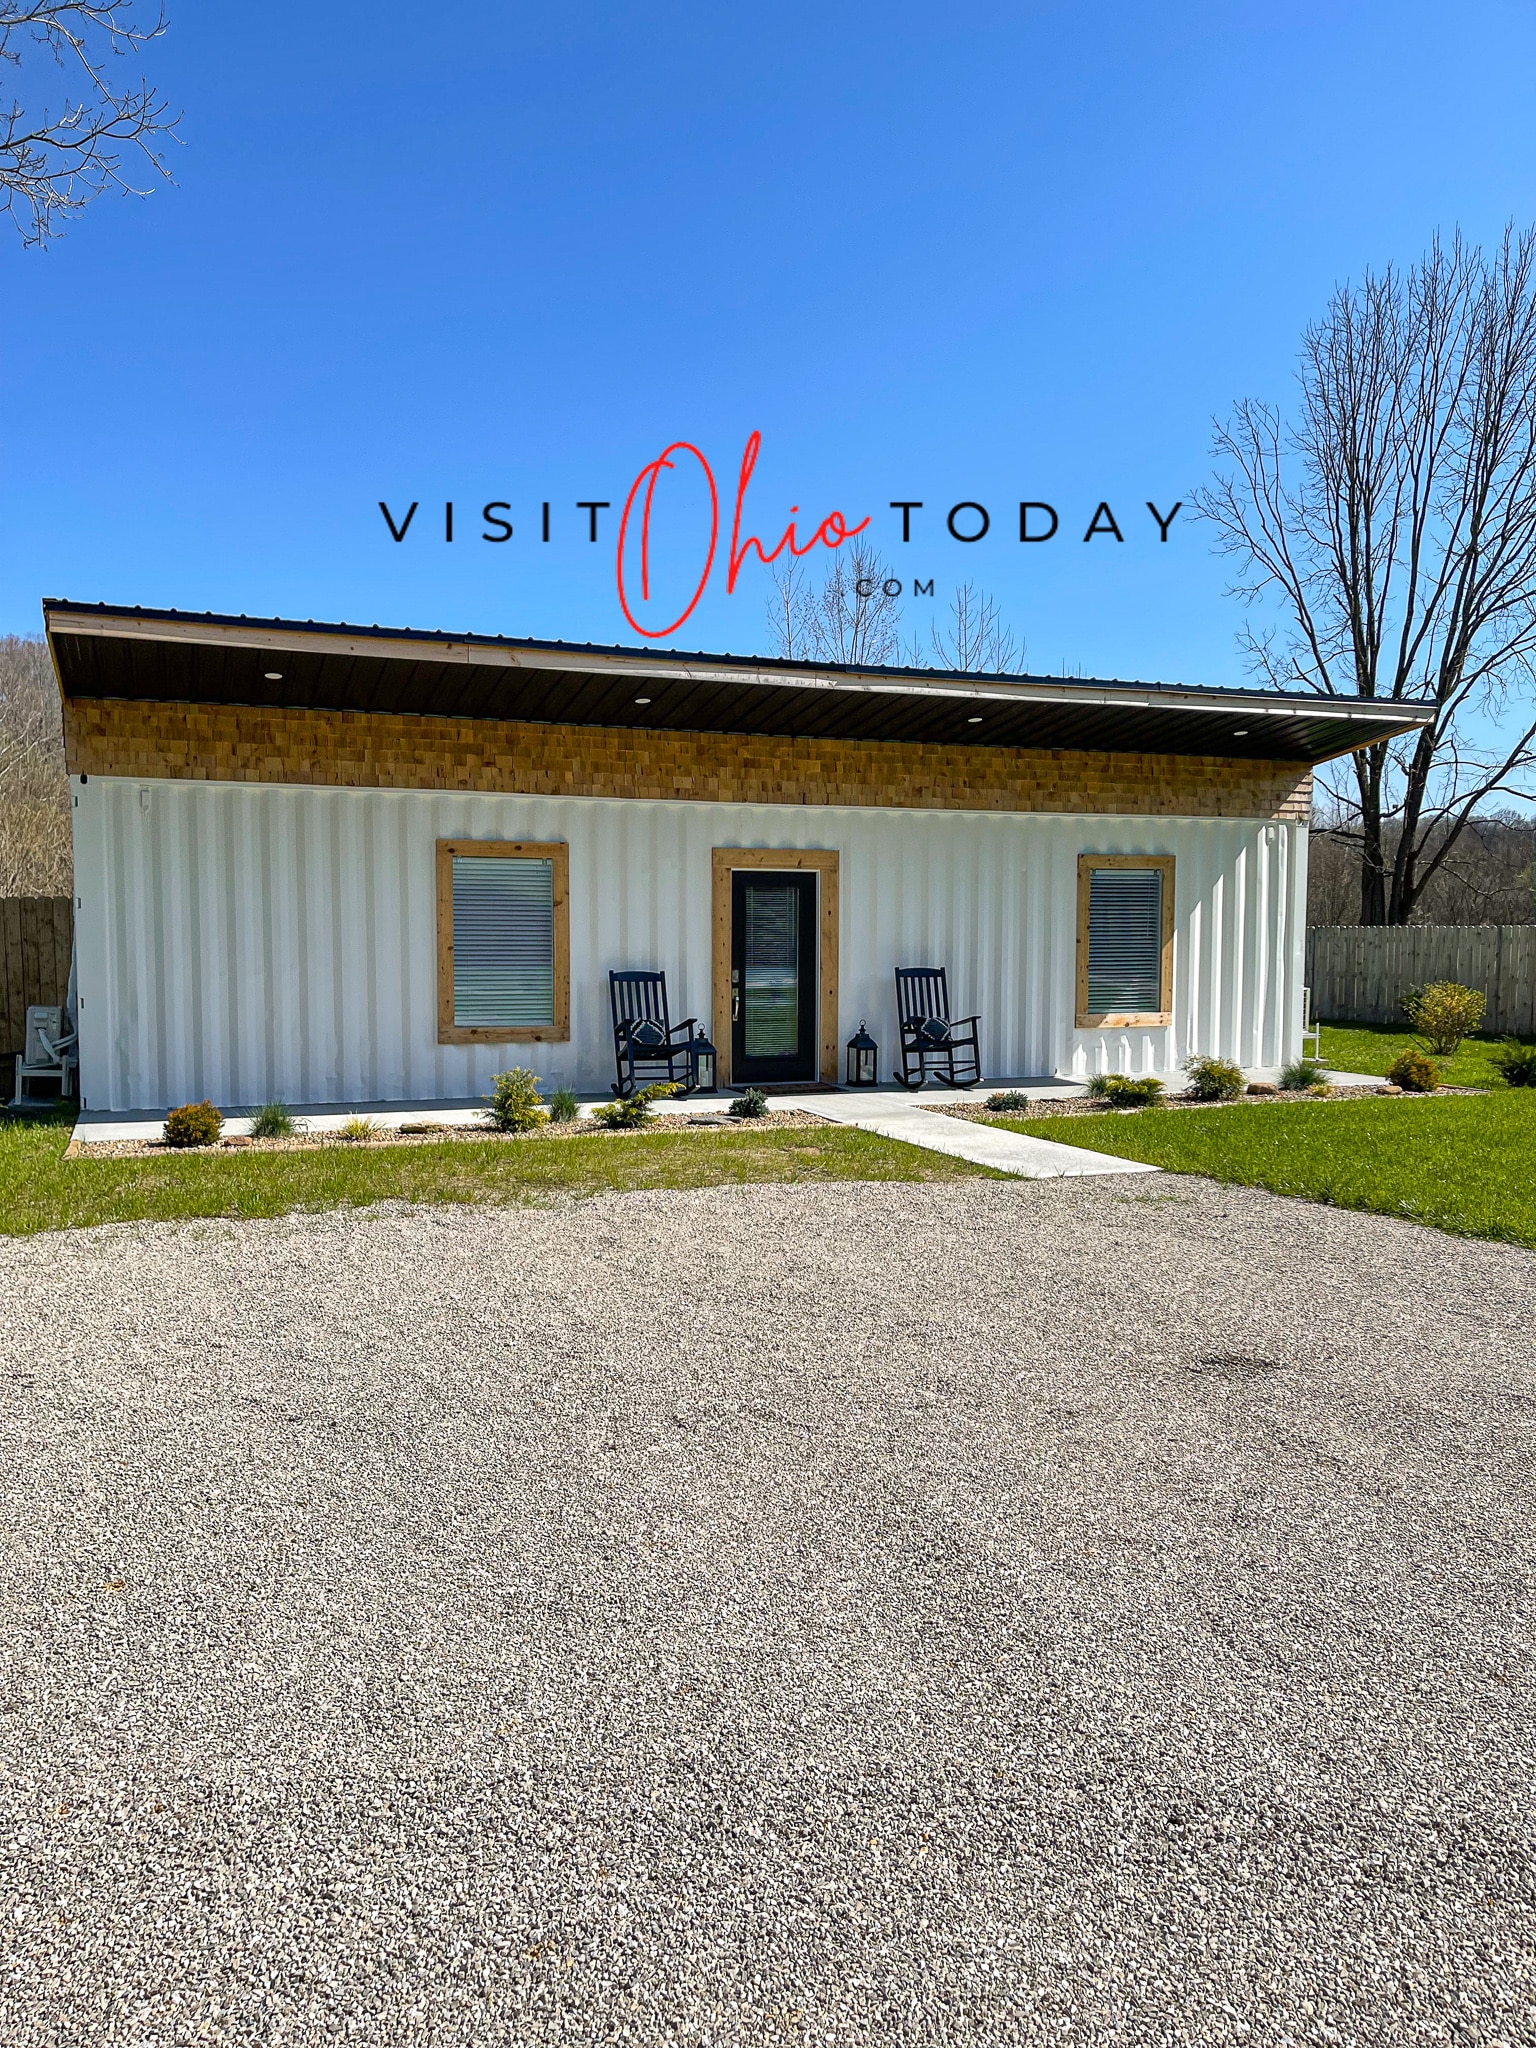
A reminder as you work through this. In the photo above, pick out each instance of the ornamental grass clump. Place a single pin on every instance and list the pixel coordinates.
(752, 1102)
(1213, 1080)
(1516, 1062)
(563, 1106)
(1303, 1074)
(195, 1123)
(357, 1130)
(514, 1103)
(1414, 1071)
(1443, 1013)
(630, 1112)
(275, 1120)
(1126, 1091)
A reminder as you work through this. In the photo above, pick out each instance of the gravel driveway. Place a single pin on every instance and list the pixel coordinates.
(1065, 1610)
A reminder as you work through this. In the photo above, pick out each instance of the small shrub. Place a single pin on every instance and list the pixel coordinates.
(629, 1112)
(1415, 1071)
(1213, 1080)
(357, 1130)
(1308, 1073)
(1008, 1098)
(1517, 1063)
(752, 1103)
(563, 1106)
(195, 1123)
(1444, 1013)
(514, 1101)
(1126, 1091)
(275, 1120)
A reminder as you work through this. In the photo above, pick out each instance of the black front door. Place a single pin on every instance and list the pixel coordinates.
(773, 976)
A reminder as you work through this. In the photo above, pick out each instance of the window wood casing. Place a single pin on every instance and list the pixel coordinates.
(1089, 1019)
(558, 854)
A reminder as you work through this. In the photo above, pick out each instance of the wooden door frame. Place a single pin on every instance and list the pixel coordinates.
(724, 862)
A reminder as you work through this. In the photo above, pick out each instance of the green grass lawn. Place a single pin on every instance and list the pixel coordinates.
(1464, 1163)
(1371, 1049)
(42, 1190)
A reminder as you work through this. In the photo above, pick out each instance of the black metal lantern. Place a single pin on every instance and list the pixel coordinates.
(863, 1058)
(701, 1065)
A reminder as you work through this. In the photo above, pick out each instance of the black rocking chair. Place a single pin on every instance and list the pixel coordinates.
(644, 1037)
(933, 1042)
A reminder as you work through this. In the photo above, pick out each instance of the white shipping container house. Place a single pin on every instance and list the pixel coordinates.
(332, 865)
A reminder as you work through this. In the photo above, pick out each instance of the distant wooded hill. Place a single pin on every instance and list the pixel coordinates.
(34, 794)
(1489, 876)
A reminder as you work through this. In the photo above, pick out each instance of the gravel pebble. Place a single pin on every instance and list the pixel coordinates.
(1054, 1611)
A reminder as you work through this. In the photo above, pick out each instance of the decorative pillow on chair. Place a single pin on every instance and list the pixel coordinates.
(934, 1031)
(649, 1034)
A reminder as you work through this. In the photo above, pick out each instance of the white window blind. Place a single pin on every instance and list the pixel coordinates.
(503, 941)
(1125, 940)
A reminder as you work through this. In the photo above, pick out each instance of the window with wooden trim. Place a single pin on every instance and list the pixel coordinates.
(1124, 939)
(503, 941)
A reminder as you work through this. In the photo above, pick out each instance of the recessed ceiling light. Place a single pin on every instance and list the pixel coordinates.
(642, 700)
(974, 721)
(1241, 733)
(274, 675)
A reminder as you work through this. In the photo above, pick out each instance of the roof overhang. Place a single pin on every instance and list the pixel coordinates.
(100, 651)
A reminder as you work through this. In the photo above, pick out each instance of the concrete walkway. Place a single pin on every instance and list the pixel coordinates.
(986, 1144)
(918, 1120)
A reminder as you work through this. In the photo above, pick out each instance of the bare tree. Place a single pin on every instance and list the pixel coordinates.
(975, 642)
(1395, 523)
(34, 792)
(55, 160)
(852, 616)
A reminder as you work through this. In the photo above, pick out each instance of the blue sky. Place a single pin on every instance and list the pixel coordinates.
(502, 252)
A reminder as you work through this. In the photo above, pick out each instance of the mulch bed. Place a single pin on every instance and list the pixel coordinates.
(1083, 1105)
(426, 1132)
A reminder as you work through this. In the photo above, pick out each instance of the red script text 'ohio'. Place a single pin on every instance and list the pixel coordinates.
(831, 533)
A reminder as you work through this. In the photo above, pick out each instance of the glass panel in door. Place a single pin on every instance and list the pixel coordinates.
(771, 971)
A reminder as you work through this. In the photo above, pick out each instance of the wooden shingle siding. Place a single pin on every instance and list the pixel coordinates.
(367, 750)
(36, 933)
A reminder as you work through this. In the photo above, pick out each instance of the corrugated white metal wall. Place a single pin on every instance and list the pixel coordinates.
(249, 941)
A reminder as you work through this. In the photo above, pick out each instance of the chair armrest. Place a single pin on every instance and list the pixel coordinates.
(689, 1026)
(956, 1022)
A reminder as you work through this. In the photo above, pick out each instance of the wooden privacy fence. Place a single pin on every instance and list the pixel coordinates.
(35, 937)
(1360, 973)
